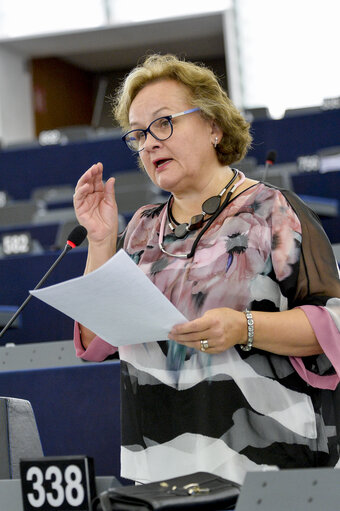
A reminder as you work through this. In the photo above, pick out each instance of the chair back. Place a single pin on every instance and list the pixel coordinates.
(19, 436)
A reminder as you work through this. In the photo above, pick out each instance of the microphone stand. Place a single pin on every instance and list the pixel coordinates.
(13, 318)
(270, 160)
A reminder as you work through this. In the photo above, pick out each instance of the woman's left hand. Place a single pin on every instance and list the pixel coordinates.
(222, 328)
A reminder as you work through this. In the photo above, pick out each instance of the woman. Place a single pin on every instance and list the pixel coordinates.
(237, 387)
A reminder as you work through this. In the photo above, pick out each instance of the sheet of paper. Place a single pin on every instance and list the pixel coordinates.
(117, 301)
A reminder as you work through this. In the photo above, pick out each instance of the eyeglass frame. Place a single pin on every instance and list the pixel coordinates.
(148, 130)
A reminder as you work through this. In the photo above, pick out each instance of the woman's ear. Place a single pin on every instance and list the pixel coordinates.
(216, 133)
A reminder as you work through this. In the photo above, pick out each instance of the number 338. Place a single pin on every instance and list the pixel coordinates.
(73, 492)
(65, 483)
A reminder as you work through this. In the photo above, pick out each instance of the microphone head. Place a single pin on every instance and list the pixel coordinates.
(271, 157)
(76, 236)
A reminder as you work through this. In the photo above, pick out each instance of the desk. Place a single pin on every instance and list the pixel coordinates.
(45, 234)
(10, 492)
(295, 136)
(77, 409)
(315, 183)
(23, 170)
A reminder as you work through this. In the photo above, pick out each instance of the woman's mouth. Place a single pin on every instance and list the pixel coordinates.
(161, 163)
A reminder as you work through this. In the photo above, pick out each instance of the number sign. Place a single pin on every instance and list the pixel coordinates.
(63, 483)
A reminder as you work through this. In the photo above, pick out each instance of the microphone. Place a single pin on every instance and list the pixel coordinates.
(270, 160)
(75, 238)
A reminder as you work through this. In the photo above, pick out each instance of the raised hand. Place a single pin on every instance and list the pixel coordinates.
(95, 205)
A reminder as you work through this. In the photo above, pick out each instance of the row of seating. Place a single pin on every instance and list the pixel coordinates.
(23, 170)
(48, 215)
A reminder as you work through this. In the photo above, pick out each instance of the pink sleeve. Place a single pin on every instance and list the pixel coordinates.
(97, 351)
(328, 337)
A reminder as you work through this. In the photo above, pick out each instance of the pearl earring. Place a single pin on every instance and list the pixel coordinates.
(216, 141)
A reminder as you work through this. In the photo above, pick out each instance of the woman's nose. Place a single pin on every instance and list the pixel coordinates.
(151, 143)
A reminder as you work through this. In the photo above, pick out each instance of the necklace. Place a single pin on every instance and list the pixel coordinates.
(209, 207)
(208, 223)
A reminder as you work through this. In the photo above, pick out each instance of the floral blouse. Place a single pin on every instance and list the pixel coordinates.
(185, 411)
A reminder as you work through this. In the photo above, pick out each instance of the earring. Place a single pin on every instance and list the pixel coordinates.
(216, 141)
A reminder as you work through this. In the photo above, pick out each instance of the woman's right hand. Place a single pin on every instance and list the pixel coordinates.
(95, 205)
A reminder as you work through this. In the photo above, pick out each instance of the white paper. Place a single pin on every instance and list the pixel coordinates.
(117, 301)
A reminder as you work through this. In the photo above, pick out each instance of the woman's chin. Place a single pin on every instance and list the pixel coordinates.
(166, 181)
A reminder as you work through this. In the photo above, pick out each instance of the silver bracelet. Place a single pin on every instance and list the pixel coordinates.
(250, 325)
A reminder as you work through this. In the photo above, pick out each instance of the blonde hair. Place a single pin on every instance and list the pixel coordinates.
(205, 93)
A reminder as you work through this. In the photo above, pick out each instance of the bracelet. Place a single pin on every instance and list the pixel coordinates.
(250, 325)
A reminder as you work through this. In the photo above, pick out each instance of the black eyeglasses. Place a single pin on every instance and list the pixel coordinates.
(161, 129)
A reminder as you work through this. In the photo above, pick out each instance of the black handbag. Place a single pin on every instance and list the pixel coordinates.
(202, 490)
